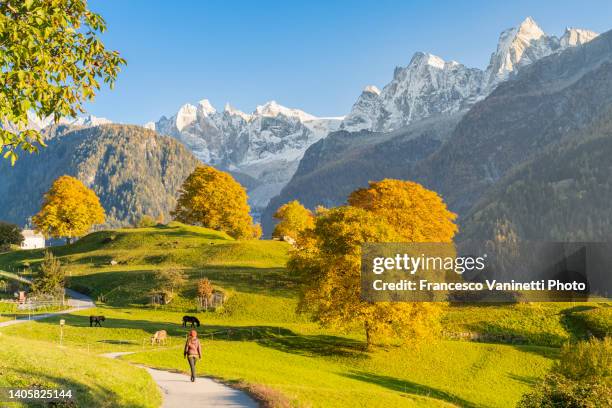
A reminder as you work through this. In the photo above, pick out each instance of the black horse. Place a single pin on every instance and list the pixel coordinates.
(96, 321)
(190, 319)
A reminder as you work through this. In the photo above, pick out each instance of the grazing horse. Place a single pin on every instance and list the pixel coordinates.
(96, 321)
(190, 319)
(159, 337)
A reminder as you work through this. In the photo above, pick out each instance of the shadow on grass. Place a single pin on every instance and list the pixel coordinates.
(172, 232)
(526, 380)
(268, 281)
(287, 341)
(574, 322)
(274, 337)
(316, 345)
(409, 387)
(119, 342)
(489, 332)
(83, 395)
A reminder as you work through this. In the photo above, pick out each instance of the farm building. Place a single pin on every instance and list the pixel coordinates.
(32, 239)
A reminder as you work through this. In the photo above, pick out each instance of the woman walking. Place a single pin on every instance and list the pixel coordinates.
(193, 351)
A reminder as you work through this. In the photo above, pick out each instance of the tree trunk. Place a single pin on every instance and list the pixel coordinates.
(368, 333)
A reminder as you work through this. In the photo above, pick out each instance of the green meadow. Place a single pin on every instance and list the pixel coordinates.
(94, 381)
(488, 355)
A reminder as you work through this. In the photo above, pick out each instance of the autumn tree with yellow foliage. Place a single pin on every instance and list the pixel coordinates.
(416, 213)
(69, 210)
(212, 198)
(328, 258)
(294, 219)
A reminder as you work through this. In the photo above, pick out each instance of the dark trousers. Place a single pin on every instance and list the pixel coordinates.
(192, 362)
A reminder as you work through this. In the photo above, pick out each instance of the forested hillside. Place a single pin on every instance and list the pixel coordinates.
(133, 170)
(552, 99)
(562, 194)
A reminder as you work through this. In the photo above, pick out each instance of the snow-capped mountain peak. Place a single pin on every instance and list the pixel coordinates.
(85, 121)
(372, 89)
(576, 36)
(266, 145)
(39, 124)
(230, 110)
(518, 47)
(273, 109)
(185, 116)
(429, 85)
(206, 107)
(529, 29)
(423, 58)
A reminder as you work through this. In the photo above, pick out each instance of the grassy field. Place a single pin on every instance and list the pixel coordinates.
(328, 371)
(95, 381)
(256, 340)
(311, 366)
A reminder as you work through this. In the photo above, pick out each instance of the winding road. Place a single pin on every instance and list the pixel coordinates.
(177, 390)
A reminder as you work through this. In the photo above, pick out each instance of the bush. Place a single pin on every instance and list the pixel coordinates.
(10, 234)
(586, 359)
(51, 280)
(8, 307)
(559, 391)
(598, 321)
(146, 221)
(168, 281)
(581, 379)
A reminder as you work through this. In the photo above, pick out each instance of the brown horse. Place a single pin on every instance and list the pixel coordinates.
(159, 337)
(191, 319)
(96, 321)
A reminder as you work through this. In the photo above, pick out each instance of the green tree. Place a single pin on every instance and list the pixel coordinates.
(213, 199)
(51, 62)
(294, 219)
(51, 280)
(328, 261)
(169, 281)
(10, 234)
(582, 378)
(146, 221)
(69, 209)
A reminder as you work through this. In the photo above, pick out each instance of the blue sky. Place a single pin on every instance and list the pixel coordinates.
(313, 55)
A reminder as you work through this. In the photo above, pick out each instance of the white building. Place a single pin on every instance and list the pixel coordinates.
(32, 239)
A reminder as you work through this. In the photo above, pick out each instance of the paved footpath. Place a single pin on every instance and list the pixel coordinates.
(179, 392)
(77, 301)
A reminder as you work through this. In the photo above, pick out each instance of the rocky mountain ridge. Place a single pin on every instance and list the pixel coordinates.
(430, 86)
(265, 145)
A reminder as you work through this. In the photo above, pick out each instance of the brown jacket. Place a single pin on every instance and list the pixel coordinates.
(193, 348)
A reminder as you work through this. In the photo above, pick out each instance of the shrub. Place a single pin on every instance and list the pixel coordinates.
(581, 379)
(10, 234)
(597, 321)
(146, 221)
(168, 281)
(51, 280)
